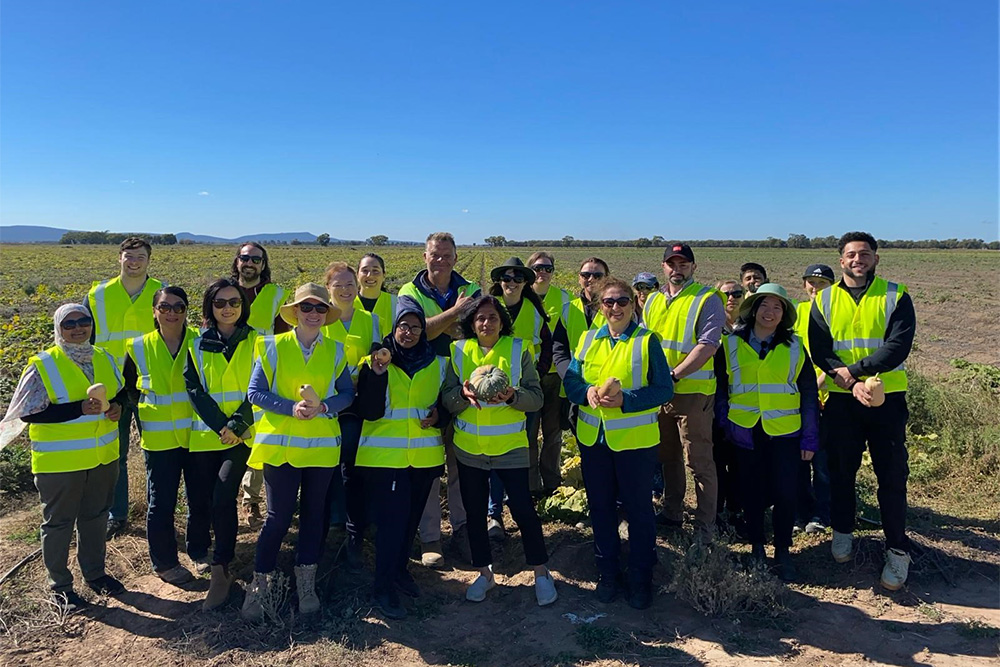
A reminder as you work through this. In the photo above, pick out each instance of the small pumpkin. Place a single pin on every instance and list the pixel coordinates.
(488, 382)
(99, 392)
(383, 356)
(309, 395)
(611, 387)
(877, 388)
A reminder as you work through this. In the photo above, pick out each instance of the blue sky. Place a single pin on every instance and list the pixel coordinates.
(732, 119)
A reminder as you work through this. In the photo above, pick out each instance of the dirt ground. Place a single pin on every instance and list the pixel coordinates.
(946, 615)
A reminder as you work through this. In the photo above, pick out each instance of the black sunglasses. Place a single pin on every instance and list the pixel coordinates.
(320, 308)
(622, 301)
(735, 294)
(516, 278)
(547, 268)
(178, 308)
(256, 259)
(591, 274)
(644, 287)
(232, 303)
(84, 321)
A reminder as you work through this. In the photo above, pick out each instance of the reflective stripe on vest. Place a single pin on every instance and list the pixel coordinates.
(164, 410)
(111, 334)
(232, 375)
(264, 309)
(678, 333)
(776, 404)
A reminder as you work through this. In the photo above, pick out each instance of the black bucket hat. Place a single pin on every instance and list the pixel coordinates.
(517, 266)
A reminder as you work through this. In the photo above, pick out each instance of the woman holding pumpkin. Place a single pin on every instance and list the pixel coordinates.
(767, 404)
(300, 382)
(617, 380)
(489, 405)
(401, 452)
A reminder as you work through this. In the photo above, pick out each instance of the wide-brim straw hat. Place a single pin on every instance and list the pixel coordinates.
(770, 289)
(309, 291)
(517, 266)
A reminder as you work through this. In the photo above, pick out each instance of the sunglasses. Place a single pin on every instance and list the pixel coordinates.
(178, 308)
(547, 268)
(69, 325)
(251, 258)
(406, 328)
(735, 294)
(235, 302)
(586, 275)
(517, 279)
(320, 308)
(644, 287)
(621, 301)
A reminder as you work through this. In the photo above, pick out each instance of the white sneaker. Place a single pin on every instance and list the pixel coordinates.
(545, 590)
(841, 546)
(897, 566)
(482, 585)
(815, 526)
(495, 530)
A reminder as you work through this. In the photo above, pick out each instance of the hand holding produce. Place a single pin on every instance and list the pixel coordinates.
(877, 388)
(309, 396)
(100, 393)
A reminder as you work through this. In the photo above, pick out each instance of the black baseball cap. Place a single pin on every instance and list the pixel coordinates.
(678, 249)
(819, 271)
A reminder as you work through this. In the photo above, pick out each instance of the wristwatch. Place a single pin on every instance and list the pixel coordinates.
(673, 375)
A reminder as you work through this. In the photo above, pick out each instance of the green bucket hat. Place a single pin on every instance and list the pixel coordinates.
(770, 289)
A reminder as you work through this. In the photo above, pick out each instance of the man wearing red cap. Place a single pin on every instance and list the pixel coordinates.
(689, 317)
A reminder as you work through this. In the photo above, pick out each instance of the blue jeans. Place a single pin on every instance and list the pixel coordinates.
(119, 510)
(283, 485)
(494, 508)
(163, 477)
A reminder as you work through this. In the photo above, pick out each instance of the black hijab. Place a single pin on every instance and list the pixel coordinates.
(419, 356)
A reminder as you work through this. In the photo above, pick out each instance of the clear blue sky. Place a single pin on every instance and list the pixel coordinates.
(596, 119)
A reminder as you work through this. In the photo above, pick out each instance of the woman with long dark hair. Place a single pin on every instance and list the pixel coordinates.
(373, 296)
(217, 376)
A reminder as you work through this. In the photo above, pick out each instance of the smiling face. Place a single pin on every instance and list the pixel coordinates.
(543, 277)
(858, 260)
(678, 270)
(440, 257)
(371, 276)
(813, 286)
(770, 310)
(752, 279)
(343, 288)
(486, 324)
(408, 330)
(511, 288)
(228, 314)
(134, 262)
(590, 274)
(164, 312)
(79, 333)
(313, 319)
(248, 268)
(618, 315)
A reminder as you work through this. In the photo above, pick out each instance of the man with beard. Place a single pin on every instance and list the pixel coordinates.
(252, 269)
(752, 276)
(860, 327)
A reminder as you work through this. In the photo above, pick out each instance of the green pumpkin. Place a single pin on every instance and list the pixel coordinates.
(488, 382)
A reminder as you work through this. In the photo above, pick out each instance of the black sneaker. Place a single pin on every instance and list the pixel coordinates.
(388, 603)
(116, 527)
(68, 601)
(106, 585)
(406, 584)
(784, 568)
(640, 596)
(353, 557)
(607, 588)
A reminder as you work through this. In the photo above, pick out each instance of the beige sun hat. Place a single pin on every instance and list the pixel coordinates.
(309, 291)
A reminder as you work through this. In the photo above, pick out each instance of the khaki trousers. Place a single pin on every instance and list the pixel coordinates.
(686, 431)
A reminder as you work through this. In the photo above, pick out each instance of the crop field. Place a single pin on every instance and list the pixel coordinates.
(708, 608)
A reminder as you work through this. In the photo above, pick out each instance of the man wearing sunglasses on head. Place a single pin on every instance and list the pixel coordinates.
(122, 308)
(689, 318)
(252, 269)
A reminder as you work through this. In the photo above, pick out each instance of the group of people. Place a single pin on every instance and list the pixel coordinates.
(347, 404)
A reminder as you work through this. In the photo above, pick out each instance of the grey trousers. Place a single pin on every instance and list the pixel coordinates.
(253, 480)
(430, 521)
(79, 499)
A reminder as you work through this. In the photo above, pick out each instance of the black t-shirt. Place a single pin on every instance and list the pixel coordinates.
(369, 304)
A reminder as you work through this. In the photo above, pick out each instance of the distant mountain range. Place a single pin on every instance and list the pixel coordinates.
(36, 234)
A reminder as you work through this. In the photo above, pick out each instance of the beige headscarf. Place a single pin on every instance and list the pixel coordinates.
(30, 396)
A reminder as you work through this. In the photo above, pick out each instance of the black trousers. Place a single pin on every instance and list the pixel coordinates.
(848, 427)
(396, 498)
(475, 486)
(769, 474)
(212, 490)
(724, 453)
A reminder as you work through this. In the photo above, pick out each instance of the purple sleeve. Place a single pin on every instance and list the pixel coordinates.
(259, 393)
(711, 320)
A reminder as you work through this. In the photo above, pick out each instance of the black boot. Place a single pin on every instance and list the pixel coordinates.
(783, 565)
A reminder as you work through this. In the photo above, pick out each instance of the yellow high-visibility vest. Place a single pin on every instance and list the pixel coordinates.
(364, 332)
(528, 327)
(676, 323)
(765, 389)
(858, 329)
(264, 309)
(494, 429)
(226, 382)
(385, 310)
(87, 441)
(627, 360)
(556, 302)
(396, 440)
(301, 443)
(574, 318)
(802, 311)
(164, 406)
(117, 317)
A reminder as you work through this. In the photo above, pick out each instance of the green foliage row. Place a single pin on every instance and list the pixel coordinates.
(793, 241)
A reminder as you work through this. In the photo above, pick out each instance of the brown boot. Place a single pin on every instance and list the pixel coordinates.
(218, 588)
(252, 515)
